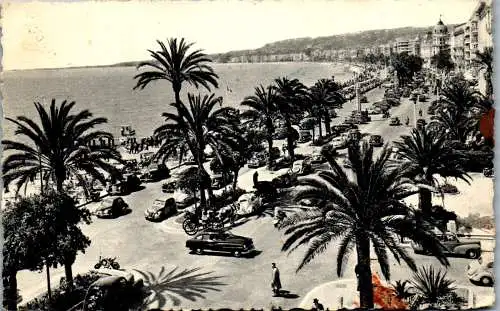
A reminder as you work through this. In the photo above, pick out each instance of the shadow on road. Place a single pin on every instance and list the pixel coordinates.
(286, 294)
(190, 284)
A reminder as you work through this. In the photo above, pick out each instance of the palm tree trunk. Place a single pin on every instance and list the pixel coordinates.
(235, 181)
(314, 131)
(425, 201)
(320, 127)
(10, 289)
(289, 138)
(49, 291)
(489, 83)
(270, 148)
(364, 272)
(327, 122)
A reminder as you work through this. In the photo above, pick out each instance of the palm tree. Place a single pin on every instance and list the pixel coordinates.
(485, 61)
(176, 65)
(58, 148)
(429, 153)
(433, 288)
(196, 127)
(263, 111)
(324, 94)
(290, 104)
(361, 212)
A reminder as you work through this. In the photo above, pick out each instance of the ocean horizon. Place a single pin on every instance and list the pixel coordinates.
(108, 91)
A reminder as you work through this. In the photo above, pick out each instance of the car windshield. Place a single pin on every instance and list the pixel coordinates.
(159, 203)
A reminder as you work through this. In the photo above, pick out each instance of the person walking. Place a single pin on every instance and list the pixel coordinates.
(276, 281)
(317, 306)
(420, 112)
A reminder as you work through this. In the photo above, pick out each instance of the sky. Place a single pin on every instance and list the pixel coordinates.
(84, 33)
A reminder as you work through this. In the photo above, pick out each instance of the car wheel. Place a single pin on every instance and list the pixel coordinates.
(237, 254)
(472, 254)
(199, 251)
(486, 281)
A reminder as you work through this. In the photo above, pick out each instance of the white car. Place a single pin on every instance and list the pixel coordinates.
(247, 203)
(339, 142)
(482, 271)
(132, 277)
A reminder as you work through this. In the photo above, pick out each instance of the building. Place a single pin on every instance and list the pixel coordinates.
(440, 38)
(402, 46)
(484, 19)
(457, 47)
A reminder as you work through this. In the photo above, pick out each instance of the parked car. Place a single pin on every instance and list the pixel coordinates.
(395, 121)
(111, 207)
(305, 136)
(155, 172)
(455, 246)
(422, 98)
(339, 143)
(339, 129)
(133, 278)
(280, 133)
(376, 141)
(256, 162)
(317, 158)
(301, 167)
(286, 180)
(161, 209)
(169, 186)
(113, 292)
(220, 241)
(482, 271)
(183, 199)
(247, 203)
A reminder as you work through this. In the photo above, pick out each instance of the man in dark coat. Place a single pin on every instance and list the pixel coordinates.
(276, 281)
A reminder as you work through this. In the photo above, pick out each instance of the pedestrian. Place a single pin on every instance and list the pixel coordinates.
(276, 282)
(317, 306)
(420, 112)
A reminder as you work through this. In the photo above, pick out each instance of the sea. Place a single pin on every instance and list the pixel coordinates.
(108, 91)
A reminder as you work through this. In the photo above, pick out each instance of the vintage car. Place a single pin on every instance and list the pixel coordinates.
(161, 209)
(169, 186)
(220, 241)
(256, 161)
(317, 158)
(394, 121)
(183, 199)
(155, 172)
(376, 141)
(112, 207)
(482, 271)
(454, 246)
(339, 143)
(301, 167)
(305, 136)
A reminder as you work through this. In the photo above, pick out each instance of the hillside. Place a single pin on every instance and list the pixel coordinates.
(361, 39)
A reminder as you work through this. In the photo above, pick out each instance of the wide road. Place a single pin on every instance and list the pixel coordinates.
(202, 281)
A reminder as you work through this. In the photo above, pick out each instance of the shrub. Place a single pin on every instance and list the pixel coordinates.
(227, 197)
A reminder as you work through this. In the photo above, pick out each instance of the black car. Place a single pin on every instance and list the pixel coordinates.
(220, 241)
(112, 207)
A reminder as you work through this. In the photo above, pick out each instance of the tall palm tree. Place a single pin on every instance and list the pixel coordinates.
(58, 148)
(428, 153)
(360, 212)
(325, 94)
(290, 103)
(485, 61)
(177, 65)
(263, 111)
(195, 127)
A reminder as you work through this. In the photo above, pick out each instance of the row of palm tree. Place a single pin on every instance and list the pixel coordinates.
(56, 149)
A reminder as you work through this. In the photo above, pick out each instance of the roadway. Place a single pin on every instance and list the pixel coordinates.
(202, 281)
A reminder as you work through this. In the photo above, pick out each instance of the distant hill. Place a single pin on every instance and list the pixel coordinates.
(369, 38)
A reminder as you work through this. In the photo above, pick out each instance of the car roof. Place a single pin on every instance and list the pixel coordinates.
(108, 280)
